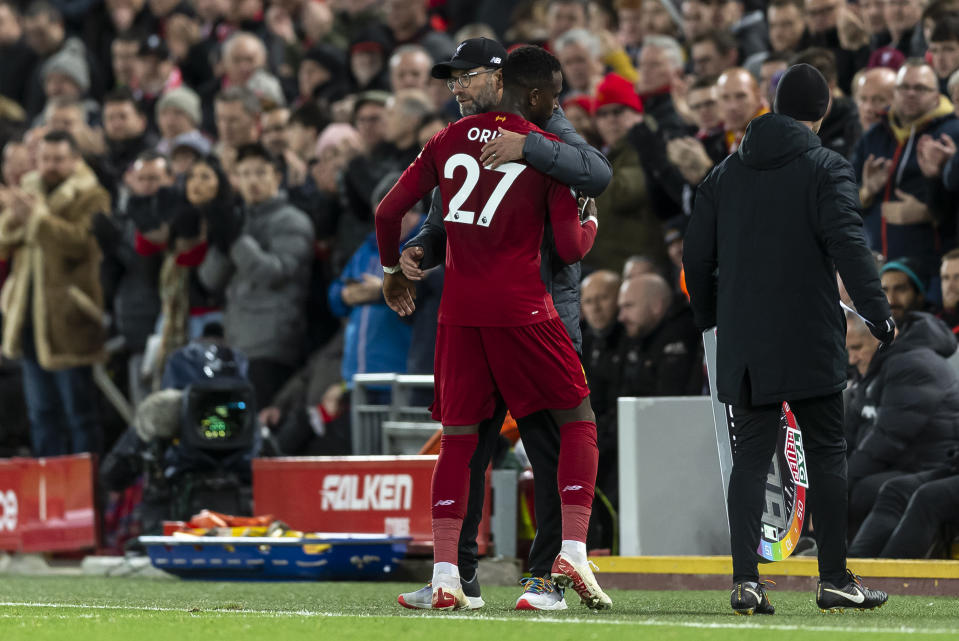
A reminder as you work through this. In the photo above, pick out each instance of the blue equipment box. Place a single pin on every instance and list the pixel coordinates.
(315, 557)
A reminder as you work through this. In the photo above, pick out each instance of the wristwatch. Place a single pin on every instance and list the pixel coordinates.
(391, 270)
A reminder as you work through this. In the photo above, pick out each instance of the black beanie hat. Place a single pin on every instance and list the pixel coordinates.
(803, 93)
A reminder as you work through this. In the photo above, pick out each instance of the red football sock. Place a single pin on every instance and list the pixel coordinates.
(446, 538)
(450, 491)
(576, 476)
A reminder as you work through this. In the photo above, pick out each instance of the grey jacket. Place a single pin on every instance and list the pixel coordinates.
(266, 277)
(573, 162)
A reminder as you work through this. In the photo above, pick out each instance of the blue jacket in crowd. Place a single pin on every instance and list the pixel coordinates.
(376, 338)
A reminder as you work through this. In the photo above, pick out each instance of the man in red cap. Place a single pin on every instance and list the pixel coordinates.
(632, 226)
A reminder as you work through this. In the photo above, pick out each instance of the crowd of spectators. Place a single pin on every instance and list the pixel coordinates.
(178, 167)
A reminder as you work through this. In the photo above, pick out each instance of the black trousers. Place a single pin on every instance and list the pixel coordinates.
(908, 516)
(757, 431)
(863, 494)
(540, 436)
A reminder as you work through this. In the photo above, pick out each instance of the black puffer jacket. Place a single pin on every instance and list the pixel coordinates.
(904, 414)
(666, 362)
(777, 219)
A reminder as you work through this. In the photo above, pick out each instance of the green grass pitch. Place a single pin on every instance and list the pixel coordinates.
(101, 609)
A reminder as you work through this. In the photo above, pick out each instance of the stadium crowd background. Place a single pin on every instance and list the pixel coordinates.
(225, 157)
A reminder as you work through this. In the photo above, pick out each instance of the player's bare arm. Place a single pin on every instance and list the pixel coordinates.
(399, 292)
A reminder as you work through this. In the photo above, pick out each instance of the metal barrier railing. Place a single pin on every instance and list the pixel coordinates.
(400, 427)
(367, 418)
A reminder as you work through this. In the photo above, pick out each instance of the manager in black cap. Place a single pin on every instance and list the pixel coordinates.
(772, 224)
(475, 60)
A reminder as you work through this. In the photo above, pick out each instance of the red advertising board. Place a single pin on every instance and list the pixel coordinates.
(46, 504)
(355, 494)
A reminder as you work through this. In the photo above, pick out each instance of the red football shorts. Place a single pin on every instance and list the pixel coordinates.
(533, 367)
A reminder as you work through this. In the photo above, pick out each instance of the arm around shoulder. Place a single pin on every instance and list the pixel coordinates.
(571, 161)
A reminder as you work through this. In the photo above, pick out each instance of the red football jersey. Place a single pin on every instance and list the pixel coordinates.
(494, 224)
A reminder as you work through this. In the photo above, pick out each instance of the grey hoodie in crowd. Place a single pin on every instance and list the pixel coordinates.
(266, 277)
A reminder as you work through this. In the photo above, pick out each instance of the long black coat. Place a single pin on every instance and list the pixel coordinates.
(904, 413)
(777, 219)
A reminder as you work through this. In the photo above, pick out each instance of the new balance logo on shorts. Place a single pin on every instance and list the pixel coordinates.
(444, 502)
(570, 488)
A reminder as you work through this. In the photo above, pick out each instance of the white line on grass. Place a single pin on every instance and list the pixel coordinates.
(481, 617)
(52, 616)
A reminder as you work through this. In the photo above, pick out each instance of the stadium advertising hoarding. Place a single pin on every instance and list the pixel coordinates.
(353, 494)
(46, 504)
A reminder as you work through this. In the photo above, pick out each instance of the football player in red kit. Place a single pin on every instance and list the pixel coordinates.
(499, 333)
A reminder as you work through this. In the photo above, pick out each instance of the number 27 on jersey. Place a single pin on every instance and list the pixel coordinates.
(510, 171)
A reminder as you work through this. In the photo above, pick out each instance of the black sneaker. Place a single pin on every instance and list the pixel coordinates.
(472, 591)
(853, 595)
(749, 598)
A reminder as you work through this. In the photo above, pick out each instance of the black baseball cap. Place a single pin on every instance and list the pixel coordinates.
(475, 52)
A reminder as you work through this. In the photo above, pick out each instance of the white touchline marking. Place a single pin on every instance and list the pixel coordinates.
(501, 619)
(54, 616)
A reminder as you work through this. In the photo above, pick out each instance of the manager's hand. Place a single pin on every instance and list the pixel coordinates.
(399, 292)
(507, 147)
(410, 263)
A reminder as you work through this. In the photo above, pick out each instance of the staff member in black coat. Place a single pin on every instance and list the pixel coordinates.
(772, 224)
(903, 415)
